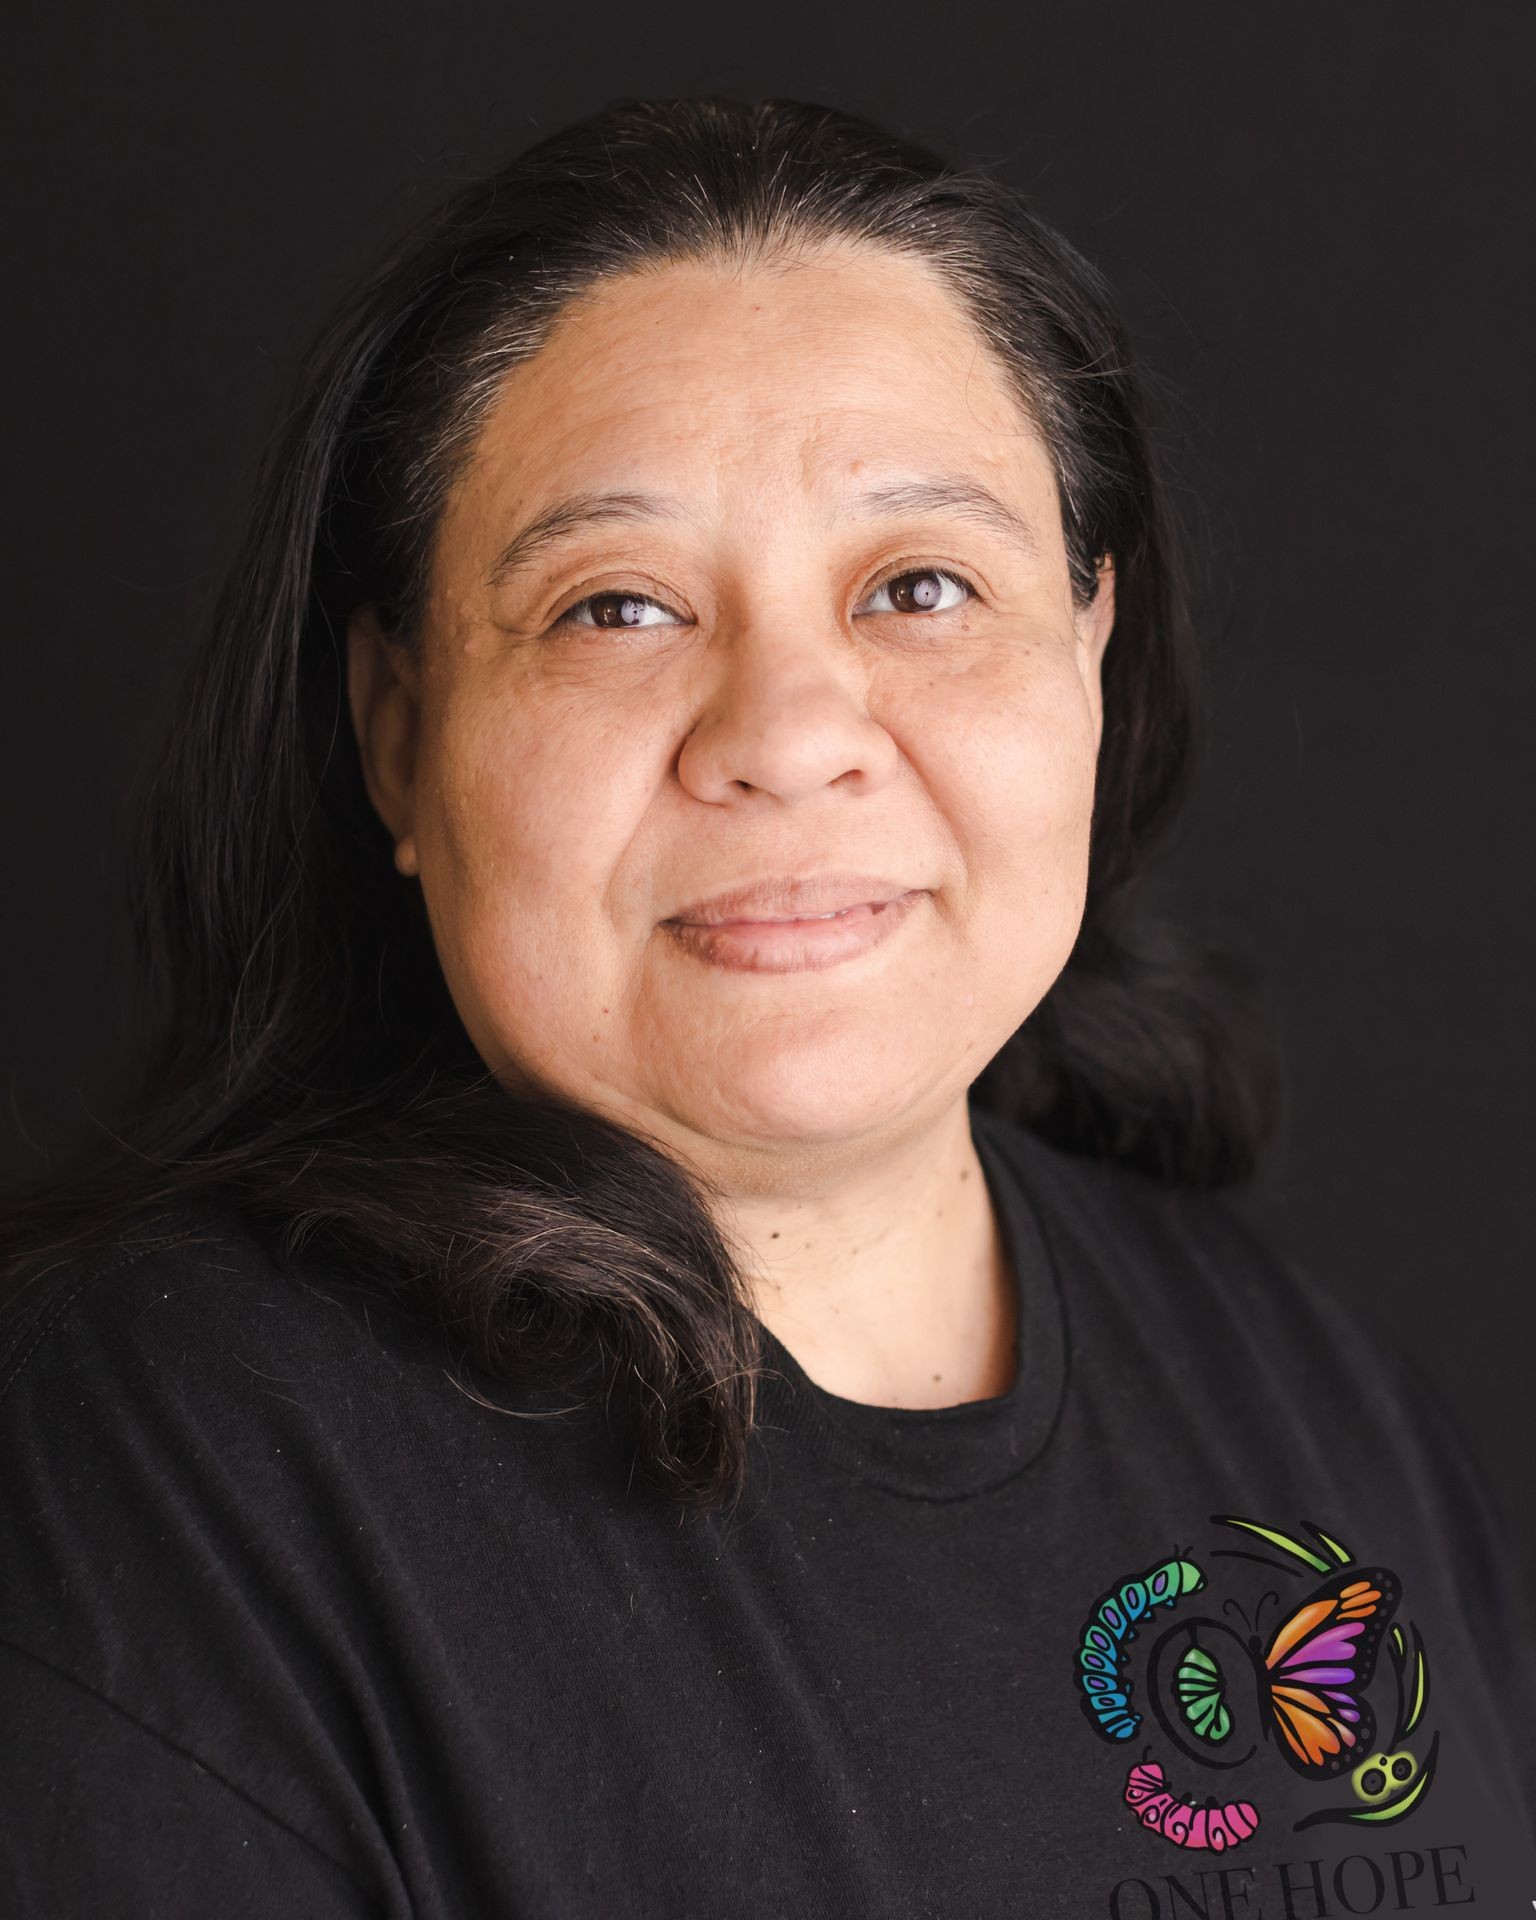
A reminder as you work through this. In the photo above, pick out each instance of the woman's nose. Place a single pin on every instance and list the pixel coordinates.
(784, 710)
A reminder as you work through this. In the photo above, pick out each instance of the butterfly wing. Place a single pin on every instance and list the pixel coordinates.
(1319, 1663)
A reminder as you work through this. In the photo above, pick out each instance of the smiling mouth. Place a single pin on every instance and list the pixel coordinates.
(782, 897)
(806, 943)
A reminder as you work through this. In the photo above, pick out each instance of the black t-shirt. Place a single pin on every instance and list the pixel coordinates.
(1206, 1615)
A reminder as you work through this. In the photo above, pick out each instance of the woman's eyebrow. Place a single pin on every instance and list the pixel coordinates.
(939, 493)
(570, 516)
(951, 494)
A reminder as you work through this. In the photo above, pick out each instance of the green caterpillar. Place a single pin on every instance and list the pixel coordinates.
(1106, 1690)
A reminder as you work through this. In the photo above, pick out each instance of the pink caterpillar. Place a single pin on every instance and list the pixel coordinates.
(1181, 1821)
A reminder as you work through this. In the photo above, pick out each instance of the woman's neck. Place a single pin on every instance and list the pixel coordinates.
(888, 1281)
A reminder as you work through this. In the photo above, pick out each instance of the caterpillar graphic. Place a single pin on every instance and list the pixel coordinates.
(1211, 1828)
(1100, 1673)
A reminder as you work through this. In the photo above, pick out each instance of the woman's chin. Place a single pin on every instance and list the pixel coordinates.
(778, 1106)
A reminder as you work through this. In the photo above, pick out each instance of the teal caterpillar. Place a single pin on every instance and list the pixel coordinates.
(1106, 1690)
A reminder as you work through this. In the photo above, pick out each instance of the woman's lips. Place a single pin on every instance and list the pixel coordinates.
(795, 946)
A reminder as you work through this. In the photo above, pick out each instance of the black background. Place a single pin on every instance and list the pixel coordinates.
(1318, 221)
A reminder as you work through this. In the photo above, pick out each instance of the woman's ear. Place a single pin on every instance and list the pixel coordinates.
(1094, 623)
(382, 692)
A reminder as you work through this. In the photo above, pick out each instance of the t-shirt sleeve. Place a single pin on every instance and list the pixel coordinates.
(176, 1733)
(104, 1816)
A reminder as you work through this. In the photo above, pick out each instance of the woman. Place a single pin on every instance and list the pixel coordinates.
(659, 1337)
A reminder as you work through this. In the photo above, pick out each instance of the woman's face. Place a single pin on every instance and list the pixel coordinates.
(755, 574)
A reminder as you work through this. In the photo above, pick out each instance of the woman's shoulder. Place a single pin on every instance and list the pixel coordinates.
(195, 1336)
(185, 1289)
(1202, 1245)
(1195, 1277)
(1178, 1298)
(201, 1448)
(201, 1436)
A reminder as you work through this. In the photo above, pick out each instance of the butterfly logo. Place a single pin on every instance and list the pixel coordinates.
(1312, 1675)
(1301, 1689)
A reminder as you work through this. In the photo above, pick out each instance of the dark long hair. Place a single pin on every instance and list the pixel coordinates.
(301, 1056)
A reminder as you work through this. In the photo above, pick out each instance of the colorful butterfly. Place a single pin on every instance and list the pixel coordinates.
(1319, 1661)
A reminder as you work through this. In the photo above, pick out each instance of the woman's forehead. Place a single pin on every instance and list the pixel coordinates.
(840, 374)
(855, 308)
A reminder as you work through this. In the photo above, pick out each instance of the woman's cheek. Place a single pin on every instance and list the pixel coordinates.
(1037, 758)
(498, 791)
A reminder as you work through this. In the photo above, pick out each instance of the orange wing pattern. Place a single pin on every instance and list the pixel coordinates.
(1319, 1664)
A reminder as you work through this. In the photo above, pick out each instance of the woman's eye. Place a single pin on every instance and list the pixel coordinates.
(925, 590)
(613, 609)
